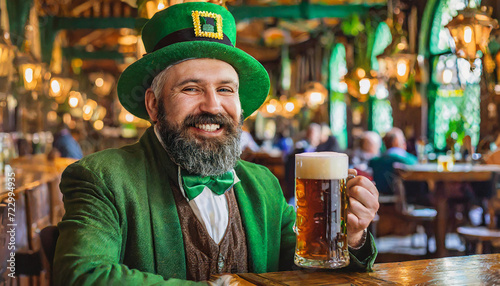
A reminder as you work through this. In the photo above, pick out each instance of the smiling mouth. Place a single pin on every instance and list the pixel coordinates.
(208, 127)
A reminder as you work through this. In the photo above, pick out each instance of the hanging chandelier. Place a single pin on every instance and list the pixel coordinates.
(470, 31)
(398, 59)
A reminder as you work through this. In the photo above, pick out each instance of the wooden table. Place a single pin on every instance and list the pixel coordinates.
(32, 171)
(38, 203)
(430, 174)
(463, 270)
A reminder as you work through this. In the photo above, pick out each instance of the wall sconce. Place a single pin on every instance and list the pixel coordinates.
(59, 88)
(75, 99)
(31, 74)
(315, 94)
(103, 83)
(396, 62)
(88, 109)
(471, 30)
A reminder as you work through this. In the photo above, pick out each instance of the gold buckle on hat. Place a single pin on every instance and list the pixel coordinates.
(198, 32)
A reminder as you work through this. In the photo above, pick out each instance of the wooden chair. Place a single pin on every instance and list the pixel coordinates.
(30, 262)
(21, 238)
(480, 239)
(56, 201)
(49, 237)
(420, 215)
(4, 241)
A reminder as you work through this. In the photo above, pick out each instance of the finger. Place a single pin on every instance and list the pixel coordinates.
(363, 215)
(359, 209)
(353, 172)
(352, 222)
(364, 196)
(363, 182)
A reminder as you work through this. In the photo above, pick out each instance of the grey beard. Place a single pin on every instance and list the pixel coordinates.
(210, 157)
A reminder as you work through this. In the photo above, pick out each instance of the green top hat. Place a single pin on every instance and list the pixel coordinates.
(188, 31)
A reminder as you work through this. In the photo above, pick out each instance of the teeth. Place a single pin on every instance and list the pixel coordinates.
(208, 127)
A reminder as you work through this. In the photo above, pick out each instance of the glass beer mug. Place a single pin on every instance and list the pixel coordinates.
(321, 203)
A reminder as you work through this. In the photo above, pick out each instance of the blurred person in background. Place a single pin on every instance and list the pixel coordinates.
(66, 143)
(369, 147)
(311, 140)
(383, 170)
(247, 142)
(284, 142)
(328, 142)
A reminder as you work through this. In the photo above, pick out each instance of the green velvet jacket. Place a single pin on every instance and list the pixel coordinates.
(121, 224)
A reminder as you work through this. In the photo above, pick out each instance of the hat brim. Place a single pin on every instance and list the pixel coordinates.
(137, 78)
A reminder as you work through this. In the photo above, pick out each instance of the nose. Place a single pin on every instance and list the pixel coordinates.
(211, 102)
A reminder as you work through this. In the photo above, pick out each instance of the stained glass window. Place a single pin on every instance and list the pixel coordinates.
(338, 69)
(382, 116)
(457, 104)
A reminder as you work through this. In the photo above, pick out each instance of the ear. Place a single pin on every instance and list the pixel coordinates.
(151, 105)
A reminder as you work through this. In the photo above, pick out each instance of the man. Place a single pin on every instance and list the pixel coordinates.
(329, 142)
(383, 170)
(66, 144)
(369, 147)
(179, 204)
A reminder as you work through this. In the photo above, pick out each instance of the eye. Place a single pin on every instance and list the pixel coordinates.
(190, 89)
(225, 90)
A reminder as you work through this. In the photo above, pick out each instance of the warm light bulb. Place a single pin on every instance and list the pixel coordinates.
(129, 117)
(87, 109)
(289, 106)
(364, 86)
(98, 125)
(447, 76)
(361, 73)
(52, 116)
(55, 86)
(73, 101)
(467, 34)
(315, 98)
(271, 108)
(99, 82)
(28, 75)
(402, 68)
(161, 6)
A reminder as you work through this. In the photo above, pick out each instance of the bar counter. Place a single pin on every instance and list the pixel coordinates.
(461, 270)
(32, 171)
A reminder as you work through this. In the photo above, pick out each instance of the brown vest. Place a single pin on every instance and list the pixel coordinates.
(204, 257)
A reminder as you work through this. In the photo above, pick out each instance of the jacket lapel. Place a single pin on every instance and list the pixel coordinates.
(168, 241)
(252, 209)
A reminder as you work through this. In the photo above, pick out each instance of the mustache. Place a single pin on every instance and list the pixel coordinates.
(207, 118)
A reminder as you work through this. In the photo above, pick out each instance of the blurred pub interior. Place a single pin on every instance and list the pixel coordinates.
(428, 67)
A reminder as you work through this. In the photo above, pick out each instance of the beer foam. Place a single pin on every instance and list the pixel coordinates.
(321, 165)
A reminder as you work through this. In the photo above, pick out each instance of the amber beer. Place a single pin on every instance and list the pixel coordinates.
(321, 202)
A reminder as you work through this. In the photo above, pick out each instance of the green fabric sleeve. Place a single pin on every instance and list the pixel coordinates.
(363, 258)
(288, 238)
(89, 247)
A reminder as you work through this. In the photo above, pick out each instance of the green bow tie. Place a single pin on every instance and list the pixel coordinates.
(193, 184)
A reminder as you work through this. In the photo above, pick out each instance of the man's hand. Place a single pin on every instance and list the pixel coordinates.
(363, 200)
